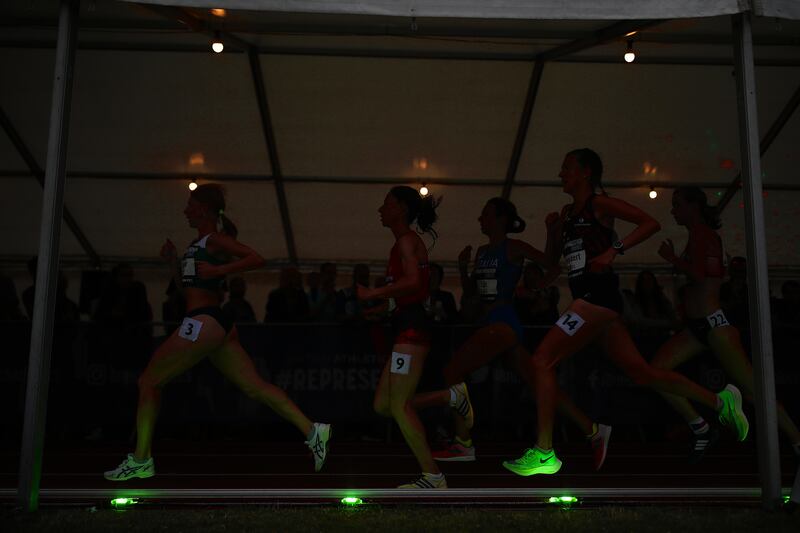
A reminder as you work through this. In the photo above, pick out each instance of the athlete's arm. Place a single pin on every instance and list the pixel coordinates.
(411, 280)
(170, 256)
(248, 259)
(552, 249)
(646, 226)
(522, 248)
(696, 249)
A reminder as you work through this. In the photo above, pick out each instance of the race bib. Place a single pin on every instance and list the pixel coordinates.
(717, 319)
(190, 329)
(570, 323)
(487, 287)
(188, 267)
(401, 363)
(575, 256)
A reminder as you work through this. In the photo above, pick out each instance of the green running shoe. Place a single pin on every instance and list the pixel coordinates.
(731, 414)
(534, 461)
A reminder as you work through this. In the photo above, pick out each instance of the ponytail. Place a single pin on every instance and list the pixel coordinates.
(588, 158)
(421, 209)
(504, 208)
(213, 196)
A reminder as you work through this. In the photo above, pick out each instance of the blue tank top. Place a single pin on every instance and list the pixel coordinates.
(495, 275)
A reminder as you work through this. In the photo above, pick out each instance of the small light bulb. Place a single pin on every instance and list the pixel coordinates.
(424, 190)
(217, 46)
(218, 12)
(653, 194)
(192, 185)
(629, 55)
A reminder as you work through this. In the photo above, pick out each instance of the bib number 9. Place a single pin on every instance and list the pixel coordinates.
(401, 363)
(190, 329)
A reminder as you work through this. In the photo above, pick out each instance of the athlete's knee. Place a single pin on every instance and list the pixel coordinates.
(381, 406)
(398, 407)
(541, 361)
(646, 375)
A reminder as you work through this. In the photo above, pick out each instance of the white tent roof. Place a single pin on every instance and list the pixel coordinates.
(513, 9)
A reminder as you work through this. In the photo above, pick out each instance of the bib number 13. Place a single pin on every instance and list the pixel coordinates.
(570, 323)
(401, 363)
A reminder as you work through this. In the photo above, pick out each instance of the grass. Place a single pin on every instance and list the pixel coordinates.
(384, 519)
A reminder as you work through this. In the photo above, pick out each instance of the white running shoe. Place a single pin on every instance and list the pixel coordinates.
(599, 442)
(426, 481)
(318, 444)
(462, 405)
(131, 468)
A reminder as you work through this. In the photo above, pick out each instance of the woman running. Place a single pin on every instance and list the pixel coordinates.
(707, 328)
(207, 332)
(408, 284)
(495, 276)
(584, 233)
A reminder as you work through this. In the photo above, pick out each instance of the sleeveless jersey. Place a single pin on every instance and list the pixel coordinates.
(584, 238)
(197, 251)
(495, 275)
(395, 272)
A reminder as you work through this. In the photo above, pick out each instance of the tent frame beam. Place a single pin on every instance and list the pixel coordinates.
(37, 172)
(601, 36)
(772, 134)
(757, 270)
(38, 380)
(256, 72)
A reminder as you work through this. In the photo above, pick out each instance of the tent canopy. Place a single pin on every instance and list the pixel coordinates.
(361, 102)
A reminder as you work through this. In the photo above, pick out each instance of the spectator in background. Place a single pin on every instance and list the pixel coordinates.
(123, 300)
(536, 305)
(649, 315)
(173, 309)
(352, 309)
(237, 307)
(66, 310)
(441, 305)
(786, 313)
(9, 302)
(288, 303)
(323, 308)
(733, 298)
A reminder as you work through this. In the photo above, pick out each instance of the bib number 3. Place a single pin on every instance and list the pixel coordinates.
(190, 329)
(401, 363)
(570, 323)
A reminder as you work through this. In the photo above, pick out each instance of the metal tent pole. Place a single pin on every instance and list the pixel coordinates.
(757, 274)
(30, 467)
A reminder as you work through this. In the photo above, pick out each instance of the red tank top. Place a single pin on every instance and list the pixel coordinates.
(713, 266)
(395, 271)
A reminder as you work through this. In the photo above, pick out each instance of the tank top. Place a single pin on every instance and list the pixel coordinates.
(495, 275)
(584, 237)
(196, 252)
(395, 271)
(713, 267)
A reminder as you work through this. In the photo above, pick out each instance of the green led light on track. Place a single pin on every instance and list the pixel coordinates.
(352, 501)
(121, 504)
(566, 500)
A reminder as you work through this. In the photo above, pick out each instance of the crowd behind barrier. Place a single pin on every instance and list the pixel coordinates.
(327, 350)
(331, 371)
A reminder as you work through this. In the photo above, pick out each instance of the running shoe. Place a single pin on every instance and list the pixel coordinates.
(455, 451)
(701, 444)
(462, 404)
(131, 468)
(318, 444)
(731, 414)
(534, 461)
(426, 481)
(599, 443)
